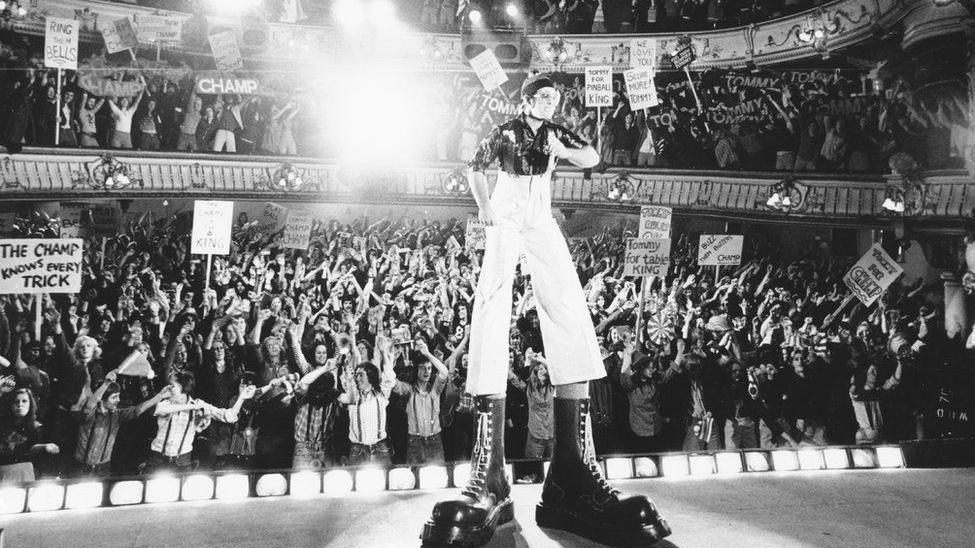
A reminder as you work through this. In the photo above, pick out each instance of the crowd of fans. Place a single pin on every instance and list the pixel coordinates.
(354, 350)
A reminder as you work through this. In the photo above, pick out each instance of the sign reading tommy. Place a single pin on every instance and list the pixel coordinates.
(872, 275)
(720, 250)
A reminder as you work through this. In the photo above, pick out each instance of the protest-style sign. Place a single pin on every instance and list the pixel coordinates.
(119, 35)
(212, 221)
(71, 219)
(599, 86)
(215, 83)
(159, 28)
(297, 229)
(683, 57)
(60, 43)
(640, 88)
(643, 53)
(226, 51)
(104, 220)
(476, 237)
(872, 275)
(272, 218)
(646, 257)
(488, 69)
(720, 250)
(38, 265)
(655, 222)
(105, 87)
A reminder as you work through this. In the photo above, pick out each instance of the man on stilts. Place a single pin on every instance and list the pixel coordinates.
(518, 217)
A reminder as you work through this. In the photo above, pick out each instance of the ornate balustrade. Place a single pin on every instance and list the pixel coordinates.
(814, 32)
(41, 174)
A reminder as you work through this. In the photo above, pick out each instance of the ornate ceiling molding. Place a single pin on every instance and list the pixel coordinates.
(43, 175)
(835, 25)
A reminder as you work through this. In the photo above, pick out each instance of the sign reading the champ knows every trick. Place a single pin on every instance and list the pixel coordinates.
(40, 265)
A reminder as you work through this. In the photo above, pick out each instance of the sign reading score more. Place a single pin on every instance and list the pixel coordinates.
(38, 265)
(212, 222)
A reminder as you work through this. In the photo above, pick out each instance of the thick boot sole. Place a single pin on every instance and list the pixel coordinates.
(445, 534)
(559, 518)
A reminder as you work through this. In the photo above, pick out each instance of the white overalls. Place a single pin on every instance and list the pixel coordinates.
(523, 206)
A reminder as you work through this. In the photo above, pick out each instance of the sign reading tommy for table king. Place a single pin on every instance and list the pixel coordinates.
(646, 257)
(720, 250)
(872, 275)
(212, 221)
(38, 265)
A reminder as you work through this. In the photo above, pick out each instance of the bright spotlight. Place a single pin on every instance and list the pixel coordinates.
(43, 497)
(383, 10)
(757, 461)
(12, 500)
(728, 462)
(462, 471)
(702, 465)
(126, 492)
(401, 479)
(863, 458)
(512, 10)
(271, 485)
(198, 487)
(337, 482)
(370, 480)
(84, 495)
(306, 484)
(645, 467)
(785, 459)
(619, 468)
(433, 477)
(674, 465)
(890, 457)
(233, 487)
(836, 459)
(162, 488)
(811, 459)
(475, 16)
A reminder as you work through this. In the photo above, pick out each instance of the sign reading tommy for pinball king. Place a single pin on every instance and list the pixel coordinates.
(38, 265)
(599, 86)
(212, 222)
(872, 275)
(720, 250)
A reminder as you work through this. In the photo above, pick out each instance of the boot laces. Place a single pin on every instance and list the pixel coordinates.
(589, 458)
(477, 482)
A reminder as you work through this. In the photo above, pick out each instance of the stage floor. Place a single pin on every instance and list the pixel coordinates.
(875, 508)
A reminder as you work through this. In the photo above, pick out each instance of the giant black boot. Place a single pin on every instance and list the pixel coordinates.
(485, 502)
(576, 496)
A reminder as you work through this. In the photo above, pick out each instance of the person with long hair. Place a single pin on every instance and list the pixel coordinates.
(21, 436)
(367, 391)
(423, 406)
(541, 399)
(642, 381)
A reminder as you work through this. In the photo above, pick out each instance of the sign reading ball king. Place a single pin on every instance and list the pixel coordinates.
(212, 222)
(38, 265)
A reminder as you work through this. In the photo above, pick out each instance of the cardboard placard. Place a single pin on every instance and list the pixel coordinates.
(599, 86)
(655, 222)
(646, 257)
(226, 51)
(119, 35)
(297, 229)
(212, 221)
(720, 250)
(683, 57)
(38, 265)
(872, 275)
(476, 237)
(643, 53)
(159, 28)
(60, 43)
(272, 218)
(104, 87)
(640, 88)
(488, 69)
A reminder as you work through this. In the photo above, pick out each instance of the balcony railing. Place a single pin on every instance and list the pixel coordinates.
(43, 174)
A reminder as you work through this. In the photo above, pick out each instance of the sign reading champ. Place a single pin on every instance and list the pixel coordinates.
(297, 229)
(60, 43)
(720, 250)
(159, 28)
(655, 222)
(599, 86)
(872, 275)
(212, 221)
(38, 265)
(215, 83)
(646, 257)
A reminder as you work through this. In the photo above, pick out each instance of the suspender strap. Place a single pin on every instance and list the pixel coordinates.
(186, 431)
(91, 436)
(108, 436)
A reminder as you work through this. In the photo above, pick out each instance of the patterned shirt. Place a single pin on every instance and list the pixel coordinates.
(367, 417)
(423, 408)
(518, 149)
